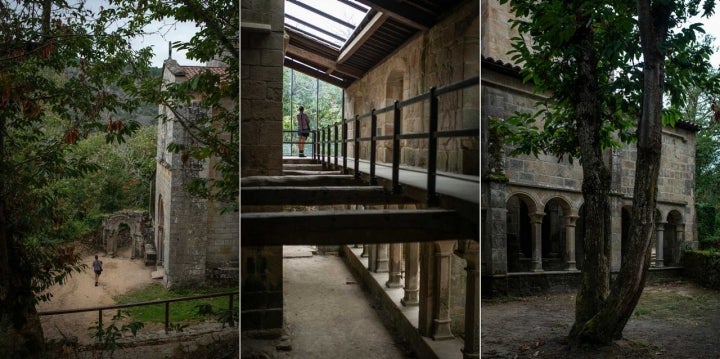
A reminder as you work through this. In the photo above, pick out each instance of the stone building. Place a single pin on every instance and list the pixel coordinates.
(397, 53)
(532, 207)
(195, 243)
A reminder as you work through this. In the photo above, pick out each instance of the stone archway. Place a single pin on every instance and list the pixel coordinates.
(141, 231)
(673, 238)
(521, 236)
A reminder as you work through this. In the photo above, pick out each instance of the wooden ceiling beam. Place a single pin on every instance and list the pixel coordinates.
(352, 227)
(365, 34)
(402, 13)
(296, 52)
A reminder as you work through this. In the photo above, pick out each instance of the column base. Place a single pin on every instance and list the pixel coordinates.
(381, 266)
(659, 263)
(571, 266)
(411, 298)
(471, 355)
(394, 282)
(441, 330)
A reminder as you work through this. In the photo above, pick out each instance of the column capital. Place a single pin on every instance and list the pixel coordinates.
(571, 219)
(660, 226)
(536, 217)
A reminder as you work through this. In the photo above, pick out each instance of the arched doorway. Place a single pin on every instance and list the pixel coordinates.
(673, 238)
(553, 234)
(519, 233)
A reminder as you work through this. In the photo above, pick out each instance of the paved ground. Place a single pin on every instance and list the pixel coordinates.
(327, 313)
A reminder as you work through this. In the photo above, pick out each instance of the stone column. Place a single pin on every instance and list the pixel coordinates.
(381, 258)
(365, 250)
(412, 262)
(570, 241)
(372, 255)
(471, 349)
(659, 257)
(395, 272)
(536, 222)
(434, 315)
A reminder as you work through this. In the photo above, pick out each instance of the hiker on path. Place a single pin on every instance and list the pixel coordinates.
(97, 267)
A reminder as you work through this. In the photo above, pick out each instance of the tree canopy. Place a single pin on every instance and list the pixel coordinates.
(68, 78)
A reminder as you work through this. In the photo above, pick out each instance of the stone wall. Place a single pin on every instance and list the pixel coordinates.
(262, 83)
(191, 234)
(496, 30)
(442, 55)
(538, 180)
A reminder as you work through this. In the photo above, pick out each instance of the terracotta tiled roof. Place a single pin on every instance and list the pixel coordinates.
(687, 125)
(192, 71)
(500, 65)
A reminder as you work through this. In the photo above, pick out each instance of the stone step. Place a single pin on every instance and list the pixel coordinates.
(303, 167)
(309, 173)
(303, 180)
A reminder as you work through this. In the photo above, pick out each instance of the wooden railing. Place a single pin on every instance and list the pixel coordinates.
(167, 302)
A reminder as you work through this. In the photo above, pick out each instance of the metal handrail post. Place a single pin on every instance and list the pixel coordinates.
(328, 141)
(344, 146)
(432, 199)
(356, 150)
(396, 149)
(336, 146)
(322, 148)
(373, 147)
(167, 317)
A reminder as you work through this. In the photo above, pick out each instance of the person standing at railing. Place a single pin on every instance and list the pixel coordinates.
(303, 130)
(97, 267)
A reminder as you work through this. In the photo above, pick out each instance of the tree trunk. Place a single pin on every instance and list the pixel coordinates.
(596, 184)
(609, 323)
(21, 334)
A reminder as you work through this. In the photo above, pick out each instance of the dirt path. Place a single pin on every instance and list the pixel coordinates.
(676, 320)
(120, 274)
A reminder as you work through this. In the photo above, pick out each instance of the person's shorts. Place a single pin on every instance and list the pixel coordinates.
(303, 134)
(98, 271)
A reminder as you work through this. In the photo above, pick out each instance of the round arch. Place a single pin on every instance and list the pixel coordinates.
(520, 206)
(136, 221)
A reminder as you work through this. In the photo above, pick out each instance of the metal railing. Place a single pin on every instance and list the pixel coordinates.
(290, 141)
(167, 302)
(324, 142)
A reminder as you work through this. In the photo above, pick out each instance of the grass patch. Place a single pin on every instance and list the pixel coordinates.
(665, 306)
(185, 311)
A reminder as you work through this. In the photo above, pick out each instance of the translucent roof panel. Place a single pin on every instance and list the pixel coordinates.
(330, 21)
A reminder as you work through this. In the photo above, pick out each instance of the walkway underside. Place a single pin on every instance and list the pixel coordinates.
(352, 226)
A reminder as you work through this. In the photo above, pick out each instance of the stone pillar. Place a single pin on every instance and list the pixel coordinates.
(659, 259)
(372, 255)
(471, 349)
(493, 228)
(570, 241)
(381, 258)
(395, 272)
(536, 222)
(434, 315)
(412, 262)
(365, 250)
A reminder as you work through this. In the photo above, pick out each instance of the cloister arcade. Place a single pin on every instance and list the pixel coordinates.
(547, 235)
